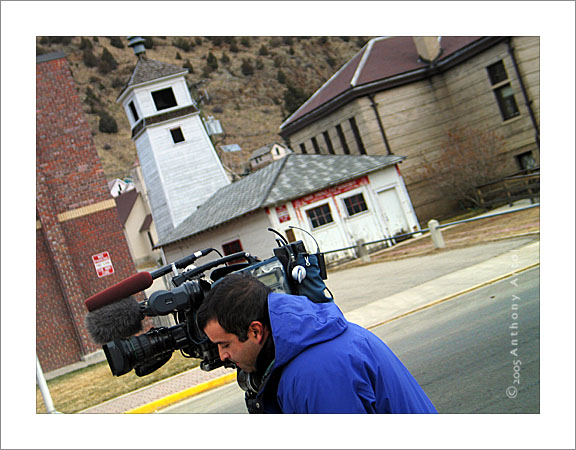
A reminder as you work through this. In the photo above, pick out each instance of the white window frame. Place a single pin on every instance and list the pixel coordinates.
(316, 205)
(353, 193)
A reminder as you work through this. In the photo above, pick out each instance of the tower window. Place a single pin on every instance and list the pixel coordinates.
(164, 99)
(177, 135)
(133, 111)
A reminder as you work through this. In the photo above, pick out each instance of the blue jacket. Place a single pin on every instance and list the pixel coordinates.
(325, 364)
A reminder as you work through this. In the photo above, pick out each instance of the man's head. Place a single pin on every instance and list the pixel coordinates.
(234, 315)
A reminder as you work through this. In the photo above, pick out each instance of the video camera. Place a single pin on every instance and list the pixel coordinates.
(291, 270)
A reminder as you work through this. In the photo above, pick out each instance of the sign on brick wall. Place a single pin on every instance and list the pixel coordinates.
(103, 264)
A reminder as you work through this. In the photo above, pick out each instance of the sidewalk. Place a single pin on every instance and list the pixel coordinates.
(495, 261)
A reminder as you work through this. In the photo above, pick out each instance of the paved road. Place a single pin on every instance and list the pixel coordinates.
(459, 351)
(380, 280)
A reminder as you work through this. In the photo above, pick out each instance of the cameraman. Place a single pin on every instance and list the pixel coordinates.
(305, 356)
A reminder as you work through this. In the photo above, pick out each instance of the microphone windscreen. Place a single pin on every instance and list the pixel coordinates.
(118, 320)
(123, 289)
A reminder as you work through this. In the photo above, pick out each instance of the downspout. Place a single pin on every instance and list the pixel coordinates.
(375, 108)
(527, 100)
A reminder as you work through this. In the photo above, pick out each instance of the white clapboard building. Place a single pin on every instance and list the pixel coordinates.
(179, 163)
(339, 199)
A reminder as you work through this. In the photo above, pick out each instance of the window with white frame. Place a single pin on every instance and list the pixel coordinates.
(164, 99)
(502, 90)
(320, 215)
(355, 204)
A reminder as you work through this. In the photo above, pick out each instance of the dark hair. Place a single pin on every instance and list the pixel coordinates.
(236, 301)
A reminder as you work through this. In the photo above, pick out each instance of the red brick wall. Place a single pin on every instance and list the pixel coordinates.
(69, 176)
(53, 322)
(101, 232)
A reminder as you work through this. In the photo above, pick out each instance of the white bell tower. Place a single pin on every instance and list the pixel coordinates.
(179, 163)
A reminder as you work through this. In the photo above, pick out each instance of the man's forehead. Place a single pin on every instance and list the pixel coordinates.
(216, 333)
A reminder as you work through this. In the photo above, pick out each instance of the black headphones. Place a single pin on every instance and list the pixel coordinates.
(294, 270)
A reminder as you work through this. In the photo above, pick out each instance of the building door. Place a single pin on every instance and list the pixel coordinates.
(393, 213)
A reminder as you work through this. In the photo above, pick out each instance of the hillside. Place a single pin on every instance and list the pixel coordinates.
(250, 84)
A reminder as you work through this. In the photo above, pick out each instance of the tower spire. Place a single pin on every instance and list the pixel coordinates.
(137, 44)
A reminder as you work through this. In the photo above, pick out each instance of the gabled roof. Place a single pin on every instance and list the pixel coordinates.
(286, 179)
(383, 63)
(124, 204)
(264, 150)
(150, 69)
(261, 151)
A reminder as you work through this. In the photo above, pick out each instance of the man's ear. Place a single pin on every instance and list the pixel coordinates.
(257, 330)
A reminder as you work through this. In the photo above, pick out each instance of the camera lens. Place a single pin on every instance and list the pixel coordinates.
(125, 354)
(118, 359)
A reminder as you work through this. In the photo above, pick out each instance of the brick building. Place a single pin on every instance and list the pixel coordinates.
(76, 218)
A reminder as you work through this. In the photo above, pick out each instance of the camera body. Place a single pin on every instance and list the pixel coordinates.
(149, 351)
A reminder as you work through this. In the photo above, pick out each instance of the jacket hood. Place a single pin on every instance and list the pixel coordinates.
(298, 323)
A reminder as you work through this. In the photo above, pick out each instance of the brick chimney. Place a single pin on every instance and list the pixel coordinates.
(428, 47)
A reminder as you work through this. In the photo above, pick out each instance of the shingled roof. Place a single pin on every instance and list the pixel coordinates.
(289, 178)
(150, 69)
(382, 63)
(124, 204)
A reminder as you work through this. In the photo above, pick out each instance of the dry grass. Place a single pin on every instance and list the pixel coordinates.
(95, 384)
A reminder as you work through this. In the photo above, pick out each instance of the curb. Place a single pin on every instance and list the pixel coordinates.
(178, 396)
(226, 379)
(453, 296)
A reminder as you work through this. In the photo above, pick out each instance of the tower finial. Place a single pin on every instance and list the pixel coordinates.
(137, 44)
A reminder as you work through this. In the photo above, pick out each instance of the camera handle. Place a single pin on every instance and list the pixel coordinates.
(190, 274)
(181, 263)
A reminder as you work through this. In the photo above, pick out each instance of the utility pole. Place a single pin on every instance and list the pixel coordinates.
(44, 388)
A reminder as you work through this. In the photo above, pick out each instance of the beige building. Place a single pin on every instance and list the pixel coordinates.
(267, 154)
(401, 96)
(339, 200)
(138, 226)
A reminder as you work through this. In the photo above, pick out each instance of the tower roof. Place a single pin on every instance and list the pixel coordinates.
(150, 69)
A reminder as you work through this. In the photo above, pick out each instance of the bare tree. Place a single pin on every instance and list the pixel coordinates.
(470, 158)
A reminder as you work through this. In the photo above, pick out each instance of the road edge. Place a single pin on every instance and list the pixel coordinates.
(453, 296)
(182, 395)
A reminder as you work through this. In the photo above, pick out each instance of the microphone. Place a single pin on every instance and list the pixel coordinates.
(118, 320)
(125, 288)
(113, 313)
